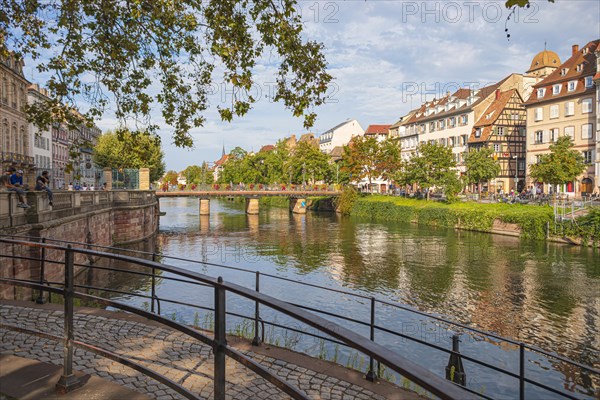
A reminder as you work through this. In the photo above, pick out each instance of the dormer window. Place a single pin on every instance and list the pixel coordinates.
(585, 50)
(572, 86)
(478, 132)
(588, 82)
(541, 93)
(564, 71)
(579, 67)
(556, 89)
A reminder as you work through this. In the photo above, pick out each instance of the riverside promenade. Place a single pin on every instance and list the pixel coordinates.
(175, 355)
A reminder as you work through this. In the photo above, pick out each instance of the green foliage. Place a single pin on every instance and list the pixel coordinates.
(126, 149)
(170, 177)
(141, 53)
(481, 166)
(561, 165)
(345, 202)
(472, 216)
(366, 157)
(431, 166)
(308, 163)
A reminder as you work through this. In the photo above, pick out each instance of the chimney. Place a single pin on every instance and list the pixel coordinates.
(575, 49)
(497, 93)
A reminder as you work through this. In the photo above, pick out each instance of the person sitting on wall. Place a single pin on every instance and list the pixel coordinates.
(5, 184)
(16, 179)
(42, 182)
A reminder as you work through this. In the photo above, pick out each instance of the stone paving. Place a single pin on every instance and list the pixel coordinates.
(170, 353)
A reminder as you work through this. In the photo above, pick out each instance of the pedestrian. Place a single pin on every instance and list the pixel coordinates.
(42, 182)
(5, 184)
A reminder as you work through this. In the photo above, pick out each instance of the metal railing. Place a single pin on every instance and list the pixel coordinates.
(69, 290)
(372, 373)
(252, 187)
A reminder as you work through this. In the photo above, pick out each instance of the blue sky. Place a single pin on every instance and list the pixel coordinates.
(379, 49)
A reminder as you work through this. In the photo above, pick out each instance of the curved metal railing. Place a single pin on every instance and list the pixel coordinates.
(68, 289)
(373, 372)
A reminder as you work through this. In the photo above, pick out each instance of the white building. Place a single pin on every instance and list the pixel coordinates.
(340, 135)
(41, 139)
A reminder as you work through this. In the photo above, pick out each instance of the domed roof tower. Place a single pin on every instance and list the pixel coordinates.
(544, 63)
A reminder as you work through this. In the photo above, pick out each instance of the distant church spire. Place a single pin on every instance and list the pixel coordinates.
(223, 154)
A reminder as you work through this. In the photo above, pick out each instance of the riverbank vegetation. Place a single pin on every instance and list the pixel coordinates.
(534, 222)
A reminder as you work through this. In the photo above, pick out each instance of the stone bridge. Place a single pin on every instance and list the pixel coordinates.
(298, 198)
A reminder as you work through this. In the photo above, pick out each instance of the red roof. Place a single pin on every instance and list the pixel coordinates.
(221, 160)
(377, 129)
(581, 65)
(267, 147)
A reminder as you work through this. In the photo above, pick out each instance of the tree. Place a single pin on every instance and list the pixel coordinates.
(125, 149)
(481, 166)
(561, 165)
(433, 165)
(171, 177)
(193, 174)
(144, 52)
(233, 167)
(366, 157)
(308, 163)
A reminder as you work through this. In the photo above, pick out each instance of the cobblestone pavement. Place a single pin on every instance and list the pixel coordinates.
(170, 353)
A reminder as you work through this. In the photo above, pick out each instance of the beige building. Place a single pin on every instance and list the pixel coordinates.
(564, 103)
(597, 83)
(15, 146)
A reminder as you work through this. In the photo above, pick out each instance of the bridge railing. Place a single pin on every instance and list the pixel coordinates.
(69, 258)
(252, 187)
(66, 203)
(518, 372)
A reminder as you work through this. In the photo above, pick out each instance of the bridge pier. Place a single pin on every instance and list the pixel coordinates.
(298, 205)
(252, 205)
(204, 204)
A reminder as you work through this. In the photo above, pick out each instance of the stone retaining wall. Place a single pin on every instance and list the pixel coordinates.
(99, 218)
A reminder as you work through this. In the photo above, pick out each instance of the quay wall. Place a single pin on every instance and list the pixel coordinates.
(98, 218)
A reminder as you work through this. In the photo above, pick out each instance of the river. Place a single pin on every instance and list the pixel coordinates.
(542, 294)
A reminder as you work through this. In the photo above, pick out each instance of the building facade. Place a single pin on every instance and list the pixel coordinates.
(502, 127)
(41, 139)
(339, 135)
(15, 145)
(564, 103)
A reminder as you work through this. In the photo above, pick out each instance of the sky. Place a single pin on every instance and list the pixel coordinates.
(387, 57)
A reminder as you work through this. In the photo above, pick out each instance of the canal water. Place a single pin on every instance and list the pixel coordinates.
(542, 294)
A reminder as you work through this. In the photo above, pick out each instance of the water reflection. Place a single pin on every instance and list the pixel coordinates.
(541, 293)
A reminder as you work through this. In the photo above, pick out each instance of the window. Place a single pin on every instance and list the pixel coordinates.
(515, 116)
(452, 121)
(586, 131)
(442, 123)
(432, 127)
(564, 71)
(539, 137)
(521, 165)
(497, 147)
(554, 111)
(588, 82)
(586, 106)
(570, 131)
(522, 131)
(556, 89)
(539, 114)
(464, 140)
(572, 86)
(587, 156)
(579, 67)
(442, 141)
(569, 108)
(538, 158)
(451, 142)
(464, 119)
(553, 134)
(541, 93)
(477, 132)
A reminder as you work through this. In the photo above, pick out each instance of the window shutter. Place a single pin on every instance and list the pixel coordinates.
(545, 136)
(532, 137)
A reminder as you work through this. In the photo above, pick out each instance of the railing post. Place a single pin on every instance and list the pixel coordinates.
(153, 294)
(521, 371)
(256, 340)
(40, 299)
(220, 341)
(68, 381)
(455, 371)
(371, 374)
